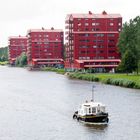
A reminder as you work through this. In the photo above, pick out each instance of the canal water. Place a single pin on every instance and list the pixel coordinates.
(39, 106)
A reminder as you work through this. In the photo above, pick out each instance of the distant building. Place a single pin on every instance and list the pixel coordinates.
(17, 45)
(45, 47)
(92, 41)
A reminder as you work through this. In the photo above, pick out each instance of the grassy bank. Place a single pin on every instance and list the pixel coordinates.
(130, 81)
(4, 63)
(60, 71)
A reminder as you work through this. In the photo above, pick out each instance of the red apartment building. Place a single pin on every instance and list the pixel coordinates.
(92, 41)
(45, 47)
(17, 45)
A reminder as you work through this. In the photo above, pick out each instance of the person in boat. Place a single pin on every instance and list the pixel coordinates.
(75, 115)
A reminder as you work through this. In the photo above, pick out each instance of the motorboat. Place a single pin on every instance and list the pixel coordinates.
(92, 112)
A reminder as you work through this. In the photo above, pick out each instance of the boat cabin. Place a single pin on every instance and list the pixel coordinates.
(91, 108)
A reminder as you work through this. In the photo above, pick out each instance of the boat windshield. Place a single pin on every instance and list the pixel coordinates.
(93, 110)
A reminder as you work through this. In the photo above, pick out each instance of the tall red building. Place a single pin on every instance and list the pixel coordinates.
(17, 45)
(92, 41)
(45, 47)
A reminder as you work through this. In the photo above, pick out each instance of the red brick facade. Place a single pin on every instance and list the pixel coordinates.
(17, 45)
(92, 37)
(45, 47)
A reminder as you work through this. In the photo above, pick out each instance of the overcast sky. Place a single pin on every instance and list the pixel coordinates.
(17, 16)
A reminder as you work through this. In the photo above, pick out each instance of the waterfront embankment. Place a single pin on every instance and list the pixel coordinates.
(129, 81)
(123, 80)
(60, 71)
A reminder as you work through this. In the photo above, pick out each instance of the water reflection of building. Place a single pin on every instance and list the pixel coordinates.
(45, 47)
(92, 41)
(17, 45)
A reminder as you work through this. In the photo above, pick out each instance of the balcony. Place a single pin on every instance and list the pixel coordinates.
(67, 27)
(67, 32)
(68, 21)
(66, 38)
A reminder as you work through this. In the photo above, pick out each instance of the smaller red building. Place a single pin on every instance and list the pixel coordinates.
(45, 47)
(17, 45)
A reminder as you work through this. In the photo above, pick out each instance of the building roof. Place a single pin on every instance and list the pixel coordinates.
(92, 15)
(45, 30)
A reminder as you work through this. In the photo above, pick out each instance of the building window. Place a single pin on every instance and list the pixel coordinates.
(98, 35)
(111, 24)
(95, 24)
(86, 24)
(79, 24)
(119, 24)
(81, 34)
(95, 29)
(119, 29)
(111, 57)
(86, 35)
(100, 41)
(111, 35)
(111, 46)
(101, 51)
(100, 46)
(111, 51)
(110, 29)
(94, 46)
(111, 40)
(84, 46)
(83, 40)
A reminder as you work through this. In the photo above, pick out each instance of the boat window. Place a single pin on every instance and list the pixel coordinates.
(89, 110)
(86, 110)
(98, 108)
(93, 110)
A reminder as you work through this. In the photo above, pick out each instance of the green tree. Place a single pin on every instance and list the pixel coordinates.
(138, 40)
(17, 61)
(21, 60)
(128, 63)
(4, 54)
(129, 40)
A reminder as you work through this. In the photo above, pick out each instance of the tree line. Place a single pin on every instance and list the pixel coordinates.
(129, 46)
(3, 54)
(21, 60)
